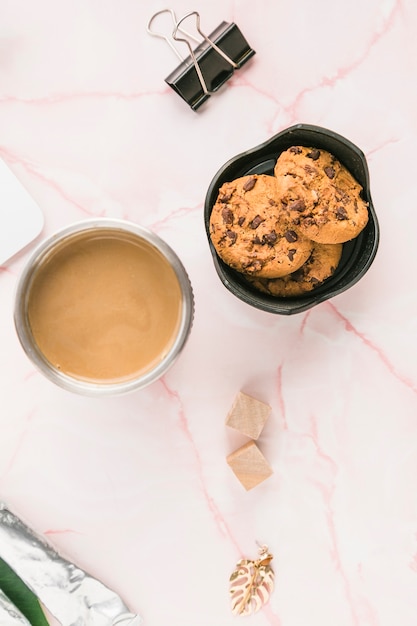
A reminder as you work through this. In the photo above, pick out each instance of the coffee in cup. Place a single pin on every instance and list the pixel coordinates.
(104, 305)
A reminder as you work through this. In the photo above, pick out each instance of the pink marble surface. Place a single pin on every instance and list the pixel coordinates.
(135, 489)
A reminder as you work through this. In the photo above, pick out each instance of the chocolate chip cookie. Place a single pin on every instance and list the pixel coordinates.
(320, 265)
(320, 195)
(252, 233)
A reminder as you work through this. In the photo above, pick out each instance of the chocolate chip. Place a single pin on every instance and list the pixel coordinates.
(230, 234)
(227, 216)
(270, 238)
(310, 170)
(291, 236)
(256, 266)
(257, 240)
(252, 266)
(313, 154)
(341, 213)
(298, 205)
(329, 171)
(291, 253)
(225, 198)
(314, 280)
(255, 222)
(241, 221)
(295, 149)
(250, 184)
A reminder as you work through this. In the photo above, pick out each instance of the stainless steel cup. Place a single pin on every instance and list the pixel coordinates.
(44, 251)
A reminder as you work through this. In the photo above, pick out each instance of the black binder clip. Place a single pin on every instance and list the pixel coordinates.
(210, 64)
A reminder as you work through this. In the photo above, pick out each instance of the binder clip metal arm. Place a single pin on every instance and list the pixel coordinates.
(208, 66)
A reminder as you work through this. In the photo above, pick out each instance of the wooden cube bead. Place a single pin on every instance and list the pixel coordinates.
(248, 415)
(249, 465)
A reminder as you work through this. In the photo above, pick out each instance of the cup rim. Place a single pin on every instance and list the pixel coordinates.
(71, 383)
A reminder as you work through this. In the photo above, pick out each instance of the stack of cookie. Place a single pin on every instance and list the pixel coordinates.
(285, 232)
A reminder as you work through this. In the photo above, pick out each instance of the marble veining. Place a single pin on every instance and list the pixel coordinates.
(135, 489)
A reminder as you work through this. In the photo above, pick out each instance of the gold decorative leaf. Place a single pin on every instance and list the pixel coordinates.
(251, 584)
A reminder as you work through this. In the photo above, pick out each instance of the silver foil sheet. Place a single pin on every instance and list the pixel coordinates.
(71, 595)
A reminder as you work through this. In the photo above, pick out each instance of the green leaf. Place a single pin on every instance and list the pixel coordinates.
(21, 596)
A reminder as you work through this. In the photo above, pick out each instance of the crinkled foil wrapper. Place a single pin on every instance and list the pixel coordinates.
(71, 595)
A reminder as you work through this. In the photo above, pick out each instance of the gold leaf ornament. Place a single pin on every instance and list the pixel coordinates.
(252, 583)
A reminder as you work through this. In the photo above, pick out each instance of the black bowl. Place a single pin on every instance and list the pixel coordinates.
(358, 254)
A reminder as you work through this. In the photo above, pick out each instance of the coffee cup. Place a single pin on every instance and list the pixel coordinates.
(103, 307)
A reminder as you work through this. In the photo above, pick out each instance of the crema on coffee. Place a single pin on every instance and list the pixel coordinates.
(104, 306)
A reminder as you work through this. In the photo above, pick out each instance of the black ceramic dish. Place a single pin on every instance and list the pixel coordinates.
(357, 255)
